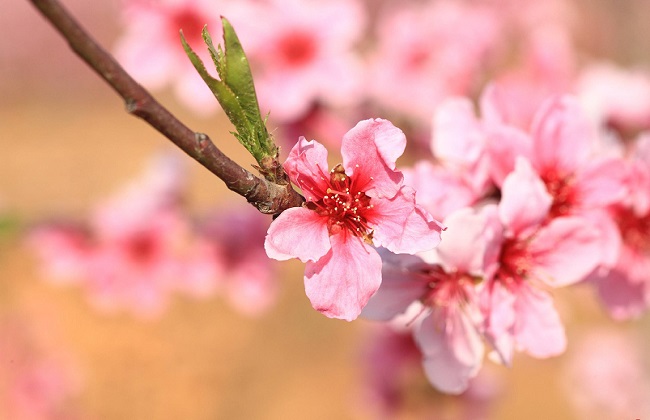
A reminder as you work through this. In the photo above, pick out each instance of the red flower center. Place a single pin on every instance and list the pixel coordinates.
(190, 22)
(635, 230)
(446, 289)
(562, 190)
(297, 49)
(345, 207)
(141, 248)
(514, 262)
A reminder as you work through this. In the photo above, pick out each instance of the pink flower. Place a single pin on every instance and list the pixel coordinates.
(448, 330)
(625, 289)
(230, 257)
(360, 203)
(301, 53)
(133, 252)
(151, 51)
(606, 375)
(430, 50)
(526, 253)
(616, 97)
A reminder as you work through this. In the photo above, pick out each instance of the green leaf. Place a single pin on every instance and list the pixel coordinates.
(235, 91)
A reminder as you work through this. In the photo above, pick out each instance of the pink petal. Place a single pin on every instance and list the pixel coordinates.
(340, 284)
(308, 168)
(458, 138)
(504, 145)
(562, 135)
(452, 350)
(369, 153)
(538, 330)
(623, 298)
(402, 226)
(439, 190)
(601, 183)
(565, 251)
(401, 285)
(462, 247)
(498, 307)
(524, 199)
(298, 233)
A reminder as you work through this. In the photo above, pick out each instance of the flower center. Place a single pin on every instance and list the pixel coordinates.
(141, 248)
(297, 48)
(635, 230)
(446, 289)
(345, 208)
(561, 189)
(514, 262)
(190, 22)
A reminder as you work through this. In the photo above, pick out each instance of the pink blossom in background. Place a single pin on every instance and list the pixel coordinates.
(302, 53)
(606, 375)
(35, 382)
(151, 51)
(440, 190)
(625, 289)
(527, 255)
(428, 51)
(232, 252)
(448, 328)
(132, 253)
(616, 97)
(361, 203)
(394, 385)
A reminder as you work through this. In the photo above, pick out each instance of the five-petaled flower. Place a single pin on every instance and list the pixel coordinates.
(360, 203)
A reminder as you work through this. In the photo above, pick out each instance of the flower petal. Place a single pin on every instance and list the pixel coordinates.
(565, 251)
(452, 350)
(340, 284)
(463, 247)
(402, 226)
(538, 329)
(307, 168)
(562, 135)
(369, 153)
(297, 233)
(401, 285)
(525, 202)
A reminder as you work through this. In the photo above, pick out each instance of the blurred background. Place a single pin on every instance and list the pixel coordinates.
(66, 144)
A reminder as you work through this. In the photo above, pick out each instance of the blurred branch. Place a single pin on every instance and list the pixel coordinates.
(266, 196)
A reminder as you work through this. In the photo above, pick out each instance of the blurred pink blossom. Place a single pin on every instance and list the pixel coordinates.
(427, 51)
(35, 383)
(625, 289)
(616, 97)
(606, 375)
(302, 53)
(231, 250)
(133, 251)
(151, 51)
(360, 203)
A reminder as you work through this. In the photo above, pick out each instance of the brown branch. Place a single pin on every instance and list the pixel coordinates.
(267, 197)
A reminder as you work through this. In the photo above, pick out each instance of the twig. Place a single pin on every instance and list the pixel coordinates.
(267, 197)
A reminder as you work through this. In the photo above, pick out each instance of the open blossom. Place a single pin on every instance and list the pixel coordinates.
(427, 51)
(625, 289)
(349, 208)
(444, 283)
(151, 51)
(528, 253)
(132, 253)
(302, 53)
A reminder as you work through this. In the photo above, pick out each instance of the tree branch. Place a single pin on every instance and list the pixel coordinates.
(267, 197)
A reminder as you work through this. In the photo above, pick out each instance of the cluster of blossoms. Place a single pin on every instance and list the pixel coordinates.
(140, 246)
(547, 187)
